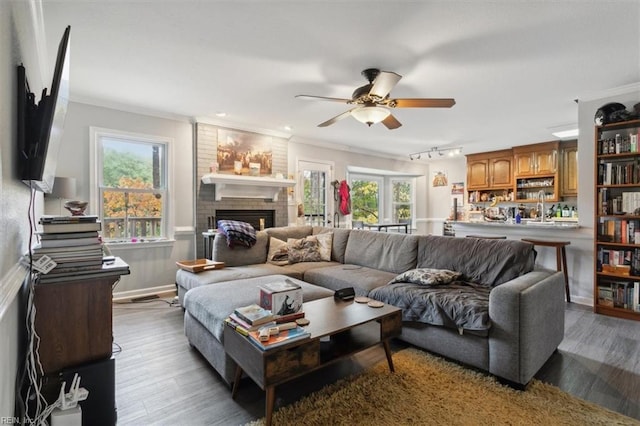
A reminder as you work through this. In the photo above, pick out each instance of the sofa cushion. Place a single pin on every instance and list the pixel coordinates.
(210, 305)
(189, 280)
(305, 249)
(278, 253)
(427, 276)
(482, 261)
(361, 278)
(239, 255)
(383, 251)
(283, 233)
(339, 241)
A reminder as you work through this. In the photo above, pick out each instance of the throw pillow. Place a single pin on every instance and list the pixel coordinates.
(427, 276)
(325, 241)
(306, 249)
(278, 252)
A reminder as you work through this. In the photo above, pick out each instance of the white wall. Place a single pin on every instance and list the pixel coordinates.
(17, 44)
(152, 265)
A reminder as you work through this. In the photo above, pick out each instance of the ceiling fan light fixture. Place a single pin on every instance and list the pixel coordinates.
(370, 114)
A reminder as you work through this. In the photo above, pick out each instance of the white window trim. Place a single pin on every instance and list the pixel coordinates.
(320, 166)
(412, 181)
(95, 133)
(382, 190)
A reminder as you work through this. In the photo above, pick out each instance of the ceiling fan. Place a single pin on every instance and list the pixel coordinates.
(373, 103)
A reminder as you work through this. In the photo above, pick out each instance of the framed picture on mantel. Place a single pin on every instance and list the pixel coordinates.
(244, 153)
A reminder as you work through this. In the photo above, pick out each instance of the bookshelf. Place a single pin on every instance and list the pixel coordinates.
(616, 289)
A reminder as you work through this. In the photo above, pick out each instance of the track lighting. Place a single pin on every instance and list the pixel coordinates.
(440, 151)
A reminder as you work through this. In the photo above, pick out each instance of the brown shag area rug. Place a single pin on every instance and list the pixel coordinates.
(427, 390)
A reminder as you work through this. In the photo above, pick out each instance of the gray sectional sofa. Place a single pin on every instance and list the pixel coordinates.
(509, 313)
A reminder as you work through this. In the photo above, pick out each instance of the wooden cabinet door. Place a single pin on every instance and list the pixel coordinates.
(524, 163)
(546, 162)
(501, 172)
(569, 169)
(477, 173)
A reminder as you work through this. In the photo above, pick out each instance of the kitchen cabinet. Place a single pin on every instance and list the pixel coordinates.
(539, 159)
(569, 169)
(490, 170)
(536, 172)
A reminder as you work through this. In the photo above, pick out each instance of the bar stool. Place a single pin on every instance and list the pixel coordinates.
(561, 258)
(489, 237)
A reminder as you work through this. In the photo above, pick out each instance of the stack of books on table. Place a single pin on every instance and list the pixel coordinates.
(250, 320)
(283, 337)
(72, 243)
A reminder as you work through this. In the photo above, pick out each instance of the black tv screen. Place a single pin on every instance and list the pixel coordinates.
(40, 128)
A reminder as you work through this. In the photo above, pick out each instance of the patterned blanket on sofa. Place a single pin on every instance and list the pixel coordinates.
(460, 305)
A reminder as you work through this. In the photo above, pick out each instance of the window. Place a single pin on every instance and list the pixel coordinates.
(366, 198)
(314, 182)
(401, 199)
(131, 177)
(369, 195)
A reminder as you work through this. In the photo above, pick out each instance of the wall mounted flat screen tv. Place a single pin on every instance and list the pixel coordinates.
(40, 126)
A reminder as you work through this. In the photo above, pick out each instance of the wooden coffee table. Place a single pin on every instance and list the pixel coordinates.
(338, 330)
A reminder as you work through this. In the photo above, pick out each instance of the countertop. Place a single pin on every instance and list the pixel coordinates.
(560, 224)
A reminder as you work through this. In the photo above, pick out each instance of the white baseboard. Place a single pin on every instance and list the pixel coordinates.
(149, 291)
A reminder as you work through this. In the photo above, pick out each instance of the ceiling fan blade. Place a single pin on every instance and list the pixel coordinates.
(391, 122)
(322, 98)
(338, 117)
(384, 82)
(425, 103)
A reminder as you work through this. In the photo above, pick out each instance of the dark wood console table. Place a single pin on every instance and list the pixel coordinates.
(73, 320)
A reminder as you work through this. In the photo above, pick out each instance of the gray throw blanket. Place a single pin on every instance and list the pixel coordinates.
(237, 232)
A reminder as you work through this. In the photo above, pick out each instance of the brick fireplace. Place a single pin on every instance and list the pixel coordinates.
(254, 217)
(253, 206)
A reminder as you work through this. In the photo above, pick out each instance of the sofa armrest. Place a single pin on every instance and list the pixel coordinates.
(527, 324)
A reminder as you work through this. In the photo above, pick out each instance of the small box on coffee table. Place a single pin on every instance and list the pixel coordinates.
(281, 297)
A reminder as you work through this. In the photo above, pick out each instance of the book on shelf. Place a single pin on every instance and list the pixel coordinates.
(283, 338)
(62, 227)
(248, 326)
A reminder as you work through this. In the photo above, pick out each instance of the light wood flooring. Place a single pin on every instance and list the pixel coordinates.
(161, 380)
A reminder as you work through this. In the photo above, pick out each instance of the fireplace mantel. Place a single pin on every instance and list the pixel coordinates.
(233, 186)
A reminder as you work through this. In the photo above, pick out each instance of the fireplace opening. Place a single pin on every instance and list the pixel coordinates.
(259, 219)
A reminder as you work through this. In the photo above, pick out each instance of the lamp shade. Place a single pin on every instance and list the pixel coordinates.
(370, 114)
(64, 188)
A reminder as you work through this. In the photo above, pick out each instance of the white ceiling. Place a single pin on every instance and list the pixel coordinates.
(513, 67)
